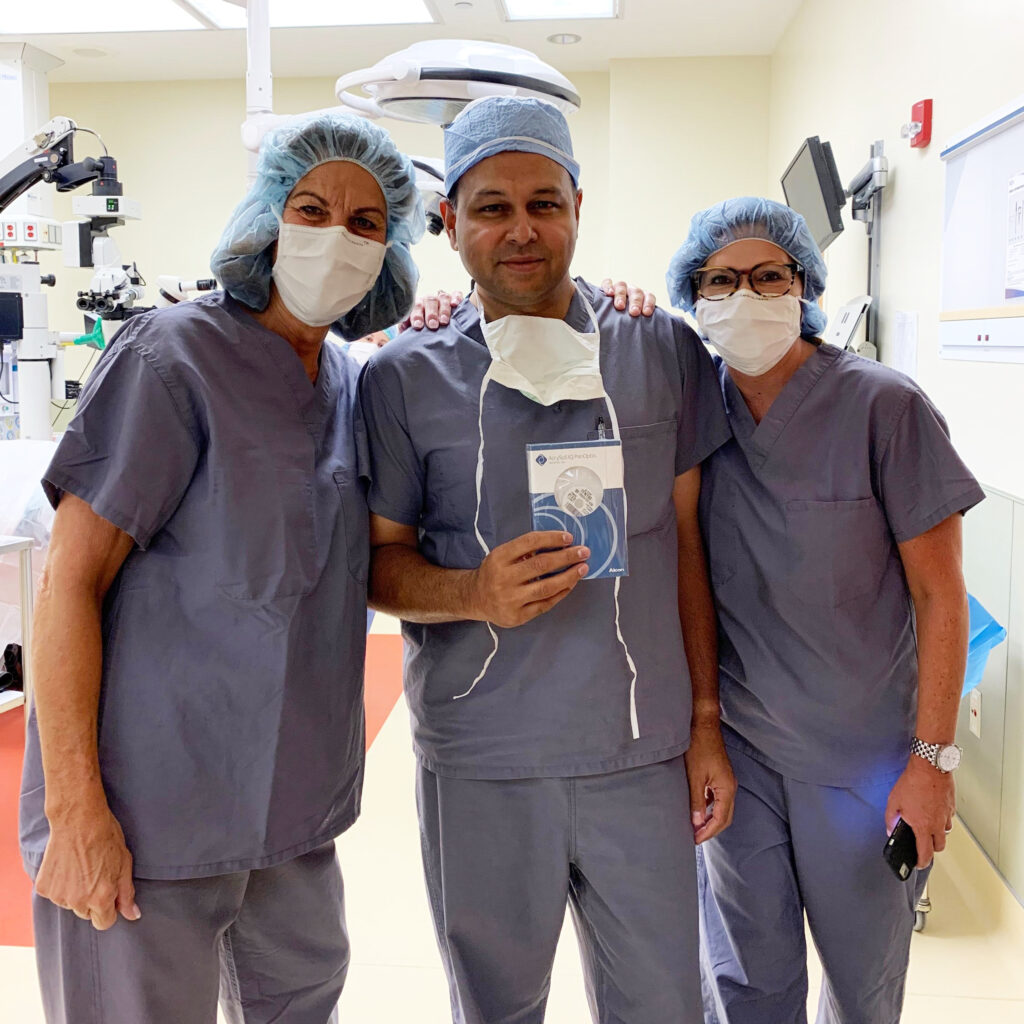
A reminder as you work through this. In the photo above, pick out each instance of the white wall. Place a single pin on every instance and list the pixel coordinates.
(850, 74)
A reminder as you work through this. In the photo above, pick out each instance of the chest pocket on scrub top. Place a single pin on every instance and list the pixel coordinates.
(840, 549)
(649, 454)
(267, 548)
(355, 522)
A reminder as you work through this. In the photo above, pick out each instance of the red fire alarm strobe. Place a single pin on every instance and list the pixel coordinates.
(919, 131)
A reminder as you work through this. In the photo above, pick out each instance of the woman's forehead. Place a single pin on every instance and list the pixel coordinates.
(748, 251)
(338, 177)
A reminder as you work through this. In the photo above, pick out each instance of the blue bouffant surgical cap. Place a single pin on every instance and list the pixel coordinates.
(242, 261)
(500, 124)
(749, 217)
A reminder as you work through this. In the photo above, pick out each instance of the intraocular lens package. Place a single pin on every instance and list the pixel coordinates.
(578, 487)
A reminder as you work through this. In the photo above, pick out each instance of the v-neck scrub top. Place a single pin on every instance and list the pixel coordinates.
(230, 713)
(555, 698)
(802, 515)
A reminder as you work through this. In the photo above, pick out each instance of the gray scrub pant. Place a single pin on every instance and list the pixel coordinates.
(271, 942)
(796, 847)
(502, 858)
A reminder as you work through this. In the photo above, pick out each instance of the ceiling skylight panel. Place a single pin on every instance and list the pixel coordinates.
(317, 13)
(559, 10)
(73, 16)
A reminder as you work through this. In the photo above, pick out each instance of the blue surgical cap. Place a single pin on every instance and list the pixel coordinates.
(500, 124)
(749, 217)
(243, 261)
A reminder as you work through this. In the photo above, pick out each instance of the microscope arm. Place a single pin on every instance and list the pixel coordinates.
(47, 156)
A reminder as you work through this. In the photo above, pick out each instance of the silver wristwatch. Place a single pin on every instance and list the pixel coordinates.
(944, 756)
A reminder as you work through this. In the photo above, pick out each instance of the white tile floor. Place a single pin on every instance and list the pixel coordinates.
(965, 967)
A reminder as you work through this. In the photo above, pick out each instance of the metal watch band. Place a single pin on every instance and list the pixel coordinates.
(928, 751)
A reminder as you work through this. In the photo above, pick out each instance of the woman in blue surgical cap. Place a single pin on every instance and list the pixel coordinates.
(832, 521)
(196, 742)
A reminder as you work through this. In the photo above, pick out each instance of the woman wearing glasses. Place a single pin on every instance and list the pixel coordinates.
(832, 521)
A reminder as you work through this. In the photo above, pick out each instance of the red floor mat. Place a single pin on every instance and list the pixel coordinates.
(15, 890)
(383, 681)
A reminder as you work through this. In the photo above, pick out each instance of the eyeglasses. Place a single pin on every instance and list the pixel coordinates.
(767, 279)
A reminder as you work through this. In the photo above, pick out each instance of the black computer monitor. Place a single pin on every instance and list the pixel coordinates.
(812, 187)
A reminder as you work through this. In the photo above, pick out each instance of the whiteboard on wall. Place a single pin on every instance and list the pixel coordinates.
(982, 310)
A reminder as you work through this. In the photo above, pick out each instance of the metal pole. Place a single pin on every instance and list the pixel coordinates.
(874, 226)
(259, 83)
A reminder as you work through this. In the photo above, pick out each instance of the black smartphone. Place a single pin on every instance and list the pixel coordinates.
(901, 851)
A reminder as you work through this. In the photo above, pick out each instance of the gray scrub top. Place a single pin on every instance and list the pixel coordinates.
(231, 714)
(802, 515)
(555, 699)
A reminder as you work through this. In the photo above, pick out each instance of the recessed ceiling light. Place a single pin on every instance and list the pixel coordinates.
(550, 10)
(88, 51)
(564, 38)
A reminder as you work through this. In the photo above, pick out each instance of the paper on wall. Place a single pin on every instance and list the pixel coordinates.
(1015, 239)
(904, 357)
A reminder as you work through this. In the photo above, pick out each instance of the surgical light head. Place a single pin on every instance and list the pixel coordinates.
(749, 217)
(243, 259)
(434, 79)
(502, 124)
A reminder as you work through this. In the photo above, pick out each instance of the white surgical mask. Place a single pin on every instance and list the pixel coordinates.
(544, 358)
(751, 333)
(549, 362)
(322, 273)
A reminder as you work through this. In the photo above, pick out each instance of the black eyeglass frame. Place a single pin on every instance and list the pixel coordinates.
(793, 267)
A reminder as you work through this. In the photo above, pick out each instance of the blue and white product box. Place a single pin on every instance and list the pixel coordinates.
(577, 486)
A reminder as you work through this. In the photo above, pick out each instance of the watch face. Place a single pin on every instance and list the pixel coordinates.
(948, 758)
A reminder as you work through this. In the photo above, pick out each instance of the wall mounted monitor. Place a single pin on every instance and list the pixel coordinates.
(812, 187)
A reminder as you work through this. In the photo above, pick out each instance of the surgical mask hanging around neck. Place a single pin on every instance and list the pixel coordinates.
(322, 273)
(751, 333)
(549, 362)
(545, 358)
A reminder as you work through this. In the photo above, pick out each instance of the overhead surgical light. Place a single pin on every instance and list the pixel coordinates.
(432, 81)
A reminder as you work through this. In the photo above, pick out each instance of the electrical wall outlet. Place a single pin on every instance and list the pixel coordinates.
(975, 714)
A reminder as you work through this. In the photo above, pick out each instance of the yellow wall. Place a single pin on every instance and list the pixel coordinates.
(179, 154)
(852, 79)
(684, 133)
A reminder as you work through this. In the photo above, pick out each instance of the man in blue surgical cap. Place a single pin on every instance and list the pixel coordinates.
(566, 728)
(196, 741)
(832, 521)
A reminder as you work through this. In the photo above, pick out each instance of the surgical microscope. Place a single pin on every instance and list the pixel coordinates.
(114, 292)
